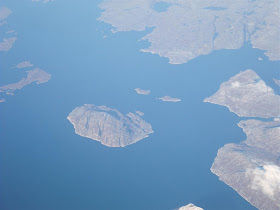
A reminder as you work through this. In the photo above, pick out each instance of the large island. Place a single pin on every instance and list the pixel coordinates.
(109, 126)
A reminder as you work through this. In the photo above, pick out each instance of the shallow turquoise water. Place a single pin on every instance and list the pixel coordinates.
(47, 166)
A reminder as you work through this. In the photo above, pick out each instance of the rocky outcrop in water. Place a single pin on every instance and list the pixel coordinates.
(109, 126)
(170, 99)
(24, 64)
(190, 207)
(142, 92)
(9, 37)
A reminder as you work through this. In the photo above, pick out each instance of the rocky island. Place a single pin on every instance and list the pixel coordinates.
(36, 75)
(170, 99)
(109, 126)
(190, 207)
(4, 14)
(24, 64)
(7, 42)
(142, 92)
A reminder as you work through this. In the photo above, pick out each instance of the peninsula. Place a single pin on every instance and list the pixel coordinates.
(188, 29)
(252, 167)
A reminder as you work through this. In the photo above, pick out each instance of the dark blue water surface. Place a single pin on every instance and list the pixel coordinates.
(46, 166)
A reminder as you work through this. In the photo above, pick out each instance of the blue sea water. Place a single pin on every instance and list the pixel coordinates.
(46, 166)
(161, 6)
